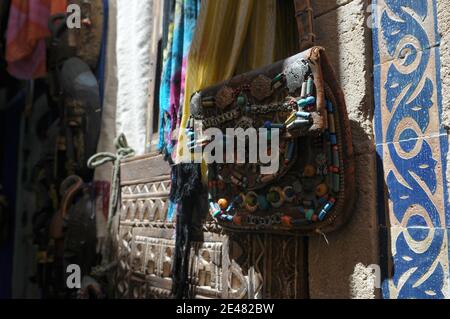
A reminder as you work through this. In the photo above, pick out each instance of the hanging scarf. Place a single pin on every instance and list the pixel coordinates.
(188, 193)
(180, 18)
(180, 33)
(27, 30)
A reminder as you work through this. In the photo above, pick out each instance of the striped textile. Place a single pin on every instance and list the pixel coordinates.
(180, 34)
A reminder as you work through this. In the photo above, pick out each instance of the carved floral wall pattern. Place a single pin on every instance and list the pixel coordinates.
(412, 147)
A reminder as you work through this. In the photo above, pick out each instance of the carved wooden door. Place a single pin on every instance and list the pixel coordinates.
(234, 266)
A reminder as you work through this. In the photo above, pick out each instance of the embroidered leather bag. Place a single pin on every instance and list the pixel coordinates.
(313, 189)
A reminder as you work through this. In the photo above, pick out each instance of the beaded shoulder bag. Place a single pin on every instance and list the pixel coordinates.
(300, 104)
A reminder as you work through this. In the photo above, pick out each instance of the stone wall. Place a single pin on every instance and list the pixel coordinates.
(398, 98)
(338, 263)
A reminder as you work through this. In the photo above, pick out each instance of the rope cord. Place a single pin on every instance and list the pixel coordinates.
(123, 151)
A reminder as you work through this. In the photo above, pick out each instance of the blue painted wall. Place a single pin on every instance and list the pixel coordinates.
(412, 149)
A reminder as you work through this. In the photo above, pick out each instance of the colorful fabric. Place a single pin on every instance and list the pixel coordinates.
(180, 34)
(58, 6)
(27, 30)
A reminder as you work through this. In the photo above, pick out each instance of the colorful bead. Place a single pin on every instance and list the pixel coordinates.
(278, 78)
(208, 104)
(263, 203)
(269, 125)
(223, 203)
(276, 197)
(291, 118)
(286, 221)
(331, 124)
(242, 100)
(333, 169)
(227, 218)
(309, 171)
(251, 199)
(251, 202)
(273, 197)
(305, 102)
(212, 205)
(309, 214)
(304, 88)
(305, 115)
(333, 139)
(310, 86)
(326, 209)
(237, 220)
(323, 200)
(239, 199)
(217, 213)
(298, 124)
(329, 107)
(321, 190)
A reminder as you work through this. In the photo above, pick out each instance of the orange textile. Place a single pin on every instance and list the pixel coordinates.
(25, 38)
(58, 6)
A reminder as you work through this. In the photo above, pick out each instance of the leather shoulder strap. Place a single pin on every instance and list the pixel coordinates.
(305, 18)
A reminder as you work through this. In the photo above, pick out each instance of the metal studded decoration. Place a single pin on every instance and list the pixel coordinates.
(313, 189)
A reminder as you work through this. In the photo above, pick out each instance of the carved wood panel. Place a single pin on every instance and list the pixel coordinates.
(224, 265)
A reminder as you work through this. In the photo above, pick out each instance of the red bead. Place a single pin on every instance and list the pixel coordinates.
(237, 220)
(286, 221)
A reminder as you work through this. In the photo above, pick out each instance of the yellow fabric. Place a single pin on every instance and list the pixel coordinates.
(234, 36)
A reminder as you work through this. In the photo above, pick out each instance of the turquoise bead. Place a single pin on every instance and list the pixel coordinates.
(326, 210)
(263, 203)
(217, 213)
(227, 218)
(309, 214)
(305, 102)
(278, 78)
(241, 100)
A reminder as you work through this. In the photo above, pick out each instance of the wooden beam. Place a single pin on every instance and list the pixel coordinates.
(305, 23)
(154, 56)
